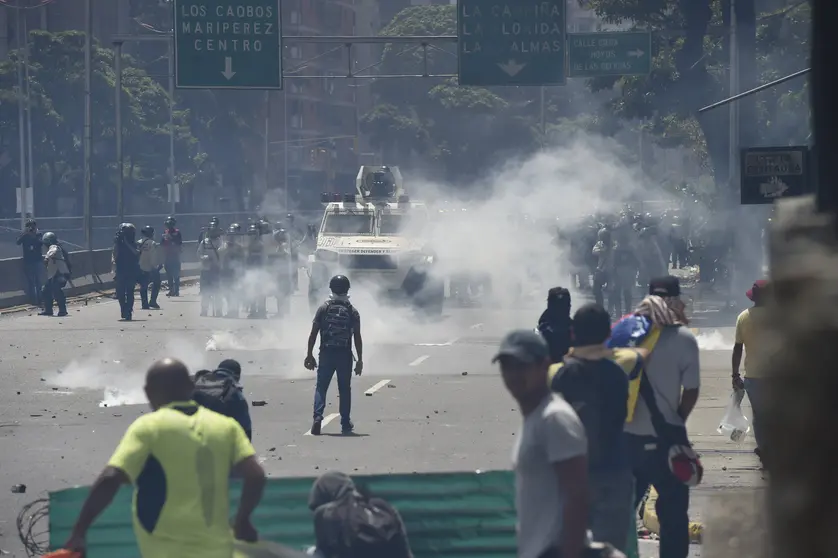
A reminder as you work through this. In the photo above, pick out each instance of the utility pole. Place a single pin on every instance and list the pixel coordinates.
(31, 171)
(543, 119)
(173, 193)
(88, 71)
(285, 147)
(733, 158)
(267, 137)
(21, 123)
(120, 162)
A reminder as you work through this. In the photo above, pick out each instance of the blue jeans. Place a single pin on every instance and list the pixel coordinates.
(32, 271)
(753, 387)
(338, 361)
(651, 467)
(611, 499)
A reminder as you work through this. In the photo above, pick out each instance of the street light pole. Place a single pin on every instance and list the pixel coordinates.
(31, 172)
(120, 163)
(285, 148)
(88, 148)
(21, 125)
(173, 193)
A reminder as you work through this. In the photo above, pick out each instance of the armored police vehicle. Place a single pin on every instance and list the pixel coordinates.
(375, 237)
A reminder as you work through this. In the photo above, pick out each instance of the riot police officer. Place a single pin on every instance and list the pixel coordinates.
(58, 273)
(282, 268)
(126, 264)
(232, 265)
(255, 260)
(339, 324)
(210, 269)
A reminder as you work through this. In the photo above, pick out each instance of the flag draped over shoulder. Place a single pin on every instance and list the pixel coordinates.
(633, 331)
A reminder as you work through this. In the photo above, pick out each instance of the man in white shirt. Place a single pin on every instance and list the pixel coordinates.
(550, 454)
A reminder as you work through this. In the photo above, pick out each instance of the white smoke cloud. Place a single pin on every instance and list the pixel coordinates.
(120, 383)
(489, 235)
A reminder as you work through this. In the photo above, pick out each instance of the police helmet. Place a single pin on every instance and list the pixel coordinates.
(128, 231)
(254, 228)
(214, 220)
(31, 224)
(170, 221)
(234, 228)
(49, 238)
(147, 231)
(603, 234)
(339, 284)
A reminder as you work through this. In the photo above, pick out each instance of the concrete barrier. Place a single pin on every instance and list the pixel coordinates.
(91, 273)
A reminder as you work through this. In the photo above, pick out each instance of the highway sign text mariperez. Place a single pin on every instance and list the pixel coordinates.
(771, 173)
(228, 44)
(517, 42)
(609, 54)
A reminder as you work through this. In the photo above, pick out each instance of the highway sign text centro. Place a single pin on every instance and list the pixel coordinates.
(518, 42)
(228, 44)
(609, 54)
(769, 173)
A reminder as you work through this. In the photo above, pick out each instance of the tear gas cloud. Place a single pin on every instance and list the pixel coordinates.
(508, 234)
(121, 383)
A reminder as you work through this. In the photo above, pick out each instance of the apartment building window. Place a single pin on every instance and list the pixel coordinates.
(296, 52)
(296, 121)
(295, 17)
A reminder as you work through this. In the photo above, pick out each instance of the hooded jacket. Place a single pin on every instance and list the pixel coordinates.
(332, 528)
(554, 323)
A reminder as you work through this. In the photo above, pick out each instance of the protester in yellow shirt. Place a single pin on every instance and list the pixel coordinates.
(179, 459)
(749, 327)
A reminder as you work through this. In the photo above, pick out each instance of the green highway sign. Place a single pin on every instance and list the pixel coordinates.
(511, 43)
(609, 54)
(228, 44)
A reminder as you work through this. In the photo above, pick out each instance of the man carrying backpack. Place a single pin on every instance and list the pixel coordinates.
(58, 273)
(220, 391)
(338, 323)
(595, 381)
(349, 524)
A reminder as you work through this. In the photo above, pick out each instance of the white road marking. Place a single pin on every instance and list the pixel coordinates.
(419, 360)
(376, 387)
(447, 344)
(54, 392)
(476, 326)
(326, 420)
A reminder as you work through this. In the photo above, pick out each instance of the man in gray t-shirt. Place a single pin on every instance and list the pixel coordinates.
(673, 372)
(550, 454)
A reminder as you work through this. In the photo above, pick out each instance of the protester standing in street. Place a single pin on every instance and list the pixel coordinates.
(749, 327)
(550, 454)
(338, 323)
(554, 323)
(33, 264)
(58, 273)
(657, 433)
(180, 459)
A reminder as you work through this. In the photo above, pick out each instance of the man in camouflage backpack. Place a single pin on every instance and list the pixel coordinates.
(338, 323)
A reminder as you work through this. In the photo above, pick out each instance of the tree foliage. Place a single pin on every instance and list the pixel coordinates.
(691, 69)
(56, 82)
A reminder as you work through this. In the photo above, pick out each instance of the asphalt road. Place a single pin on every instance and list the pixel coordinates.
(436, 402)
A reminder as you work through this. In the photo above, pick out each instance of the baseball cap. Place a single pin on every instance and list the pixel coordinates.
(760, 284)
(523, 345)
(665, 286)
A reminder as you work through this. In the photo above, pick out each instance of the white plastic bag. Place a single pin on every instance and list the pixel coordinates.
(735, 424)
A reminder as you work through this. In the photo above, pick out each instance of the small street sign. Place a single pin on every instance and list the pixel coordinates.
(592, 55)
(772, 173)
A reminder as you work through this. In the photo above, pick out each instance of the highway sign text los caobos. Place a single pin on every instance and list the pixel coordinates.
(511, 43)
(228, 44)
(609, 54)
